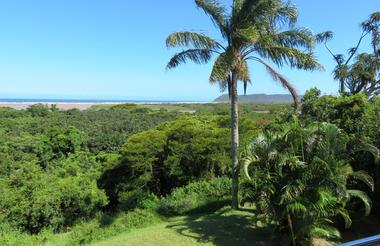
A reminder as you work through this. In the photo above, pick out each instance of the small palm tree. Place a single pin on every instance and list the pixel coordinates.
(299, 178)
(253, 30)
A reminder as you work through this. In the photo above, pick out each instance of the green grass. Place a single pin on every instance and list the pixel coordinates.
(224, 227)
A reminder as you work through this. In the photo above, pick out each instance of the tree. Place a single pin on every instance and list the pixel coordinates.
(252, 30)
(301, 178)
(363, 75)
(169, 156)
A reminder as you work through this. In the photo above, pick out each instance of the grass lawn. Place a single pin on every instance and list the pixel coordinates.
(225, 227)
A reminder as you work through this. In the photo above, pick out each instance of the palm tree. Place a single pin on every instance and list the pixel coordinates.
(300, 178)
(253, 30)
(363, 74)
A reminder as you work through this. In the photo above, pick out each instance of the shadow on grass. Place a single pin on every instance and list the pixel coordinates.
(224, 227)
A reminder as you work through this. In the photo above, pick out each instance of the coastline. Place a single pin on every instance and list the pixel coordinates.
(84, 105)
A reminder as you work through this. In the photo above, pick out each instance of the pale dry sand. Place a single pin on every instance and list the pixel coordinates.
(84, 106)
(61, 106)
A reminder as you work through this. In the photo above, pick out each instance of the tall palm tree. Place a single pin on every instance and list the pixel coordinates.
(252, 30)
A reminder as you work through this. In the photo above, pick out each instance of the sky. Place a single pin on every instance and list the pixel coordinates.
(115, 49)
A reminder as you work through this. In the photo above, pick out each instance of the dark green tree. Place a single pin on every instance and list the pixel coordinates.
(301, 178)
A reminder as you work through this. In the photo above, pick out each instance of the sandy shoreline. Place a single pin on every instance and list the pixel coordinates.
(83, 106)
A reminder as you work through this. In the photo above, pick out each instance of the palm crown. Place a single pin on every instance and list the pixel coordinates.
(252, 31)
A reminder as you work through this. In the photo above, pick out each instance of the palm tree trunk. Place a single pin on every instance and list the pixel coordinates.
(342, 88)
(290, 224)
(235, 141)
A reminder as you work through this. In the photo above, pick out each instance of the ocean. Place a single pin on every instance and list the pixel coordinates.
(40, 100)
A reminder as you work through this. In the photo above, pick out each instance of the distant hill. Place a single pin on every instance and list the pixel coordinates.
(260, 98)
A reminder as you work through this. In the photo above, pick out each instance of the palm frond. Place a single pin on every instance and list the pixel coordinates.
(325, 203)
(361, 195)
(223, 66)
(248, 160)
(346, 217)
(323, 229)
(277, 12)
(197, 40)
(199, 56)
(246, 35)
(370, 149)
(324, 37)
(292, 191)
(216, 11)
(296, 208)
(285, 83)
(292, 57)
(293, 38)
(365, 178)
(242, 71)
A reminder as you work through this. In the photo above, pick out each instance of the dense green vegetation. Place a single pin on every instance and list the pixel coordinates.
(308, 175)
(50, 162)
(68, 171)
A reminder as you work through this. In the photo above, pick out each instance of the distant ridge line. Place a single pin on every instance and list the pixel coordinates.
(259, 98)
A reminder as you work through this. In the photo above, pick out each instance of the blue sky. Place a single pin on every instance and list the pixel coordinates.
(115, 49)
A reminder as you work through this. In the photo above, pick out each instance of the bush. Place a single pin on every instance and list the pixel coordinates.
(197, 197)
(33, 200)
(138, 199)
(9, 236)
(96, 230)
(301, 179)
(39, 110)
(348, 113)
(171, 155)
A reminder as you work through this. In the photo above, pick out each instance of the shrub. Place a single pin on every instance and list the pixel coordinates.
(10, 236)
(96, 230)
(138, 199)
(197, 197)
(348, 113)
(300, 178)
(39, 110)
(33, 200)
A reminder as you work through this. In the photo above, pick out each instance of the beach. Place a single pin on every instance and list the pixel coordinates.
(84, 105)
(60, 105)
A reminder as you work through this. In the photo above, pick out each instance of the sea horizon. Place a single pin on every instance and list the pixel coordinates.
(60, 100)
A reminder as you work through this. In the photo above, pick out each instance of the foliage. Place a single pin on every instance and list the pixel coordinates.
(200, 196)
(39, 110)
(50, 162)
(251, 32)
(138, 199)
(362, 75)
(103, 130)
(356, 116)
(102, 227)
(172, 155)
(348, 113)
(99, 229)
(301, 178)
(33, 199)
